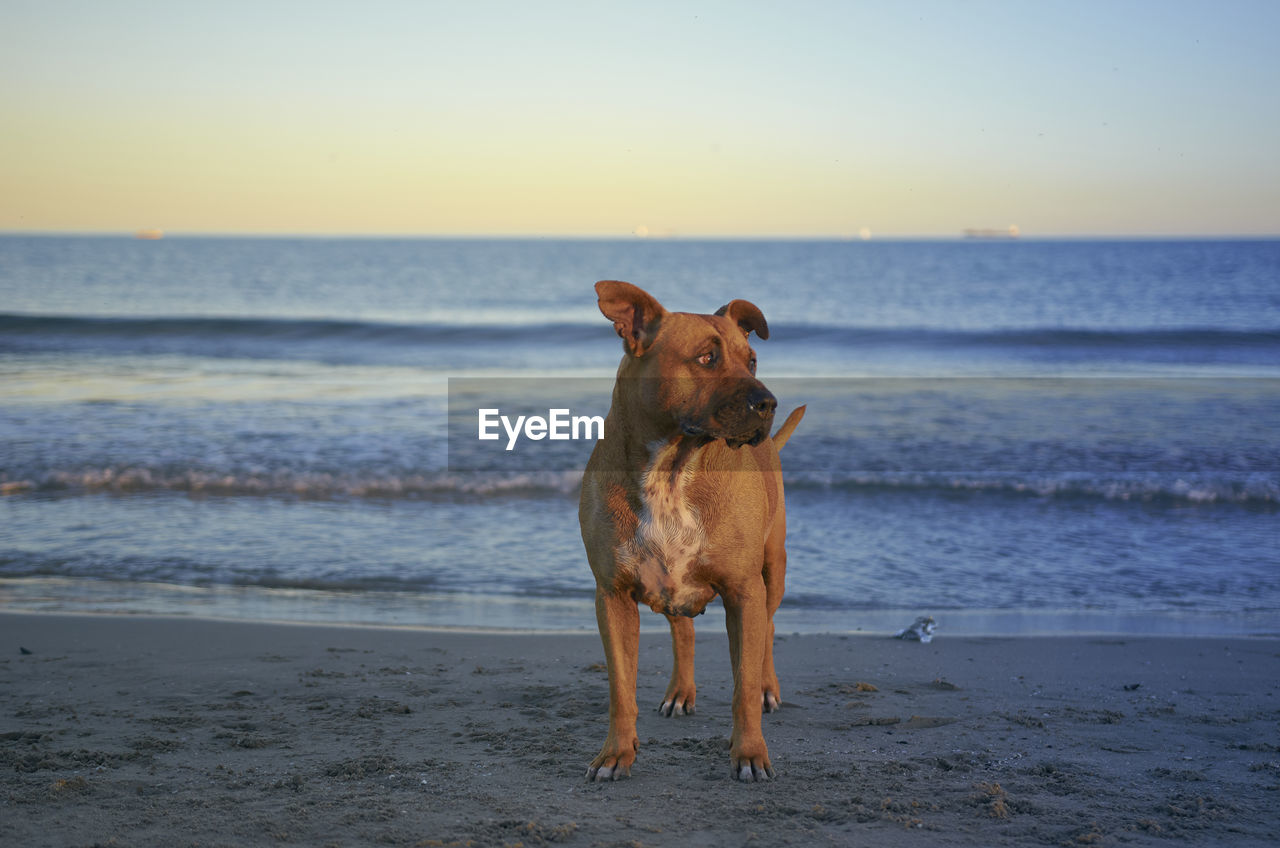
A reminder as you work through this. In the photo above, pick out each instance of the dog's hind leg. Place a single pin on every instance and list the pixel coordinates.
(681, 691)
(775, 573)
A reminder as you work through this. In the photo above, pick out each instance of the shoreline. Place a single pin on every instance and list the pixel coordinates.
(471, 613)
(160, 730)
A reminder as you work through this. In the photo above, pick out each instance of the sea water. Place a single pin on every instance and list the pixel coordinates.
(1011, 436)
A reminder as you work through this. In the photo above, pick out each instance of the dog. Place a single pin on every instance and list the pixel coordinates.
(682, 501)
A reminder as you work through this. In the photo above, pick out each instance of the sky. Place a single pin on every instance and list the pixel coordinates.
(601, 119)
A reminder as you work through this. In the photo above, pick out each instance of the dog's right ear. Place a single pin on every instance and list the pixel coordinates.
(634, 312)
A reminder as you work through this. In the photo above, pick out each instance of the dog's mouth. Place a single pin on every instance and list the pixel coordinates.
(755, 439)
(694, 431)
(704, 435)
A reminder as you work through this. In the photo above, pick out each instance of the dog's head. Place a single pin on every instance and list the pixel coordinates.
(697, 370)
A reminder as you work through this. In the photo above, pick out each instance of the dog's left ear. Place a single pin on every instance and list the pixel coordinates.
(747, 316)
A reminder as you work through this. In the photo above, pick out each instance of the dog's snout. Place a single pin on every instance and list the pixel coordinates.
(762, 402)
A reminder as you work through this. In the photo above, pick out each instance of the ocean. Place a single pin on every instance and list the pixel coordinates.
(1013, 436)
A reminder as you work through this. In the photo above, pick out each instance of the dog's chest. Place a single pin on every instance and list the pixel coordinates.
(670, 536)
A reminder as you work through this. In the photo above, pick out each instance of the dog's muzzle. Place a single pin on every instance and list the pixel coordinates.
(744, 420)
(760, 408)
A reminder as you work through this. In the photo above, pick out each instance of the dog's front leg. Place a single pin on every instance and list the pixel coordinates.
(747, 619)
(619, 622)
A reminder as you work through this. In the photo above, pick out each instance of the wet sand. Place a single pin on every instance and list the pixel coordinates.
(147, 731)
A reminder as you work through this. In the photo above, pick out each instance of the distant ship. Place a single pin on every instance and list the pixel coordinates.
(149, 234)
(1009, 233)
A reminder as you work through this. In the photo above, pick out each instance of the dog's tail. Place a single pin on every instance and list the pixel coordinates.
(784, 432)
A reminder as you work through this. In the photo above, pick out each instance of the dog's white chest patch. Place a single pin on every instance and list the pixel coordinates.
(670, 536)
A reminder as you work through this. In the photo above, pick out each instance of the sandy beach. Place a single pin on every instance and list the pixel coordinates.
(147, 731)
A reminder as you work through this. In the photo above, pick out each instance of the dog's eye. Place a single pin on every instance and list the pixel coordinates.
(708, 359)
(751, 365)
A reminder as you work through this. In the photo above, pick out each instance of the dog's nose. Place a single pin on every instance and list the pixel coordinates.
(762, 402)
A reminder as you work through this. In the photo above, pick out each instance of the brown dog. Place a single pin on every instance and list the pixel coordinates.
(682, 501)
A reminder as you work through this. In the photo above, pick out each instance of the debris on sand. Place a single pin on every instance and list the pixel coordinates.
(921, 630)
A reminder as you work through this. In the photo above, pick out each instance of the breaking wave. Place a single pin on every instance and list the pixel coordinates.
(1251, 489)
(362, 341)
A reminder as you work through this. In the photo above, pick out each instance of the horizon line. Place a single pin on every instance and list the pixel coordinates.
(157, 234)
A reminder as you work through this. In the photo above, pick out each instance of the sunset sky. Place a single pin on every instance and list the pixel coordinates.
(596, 119)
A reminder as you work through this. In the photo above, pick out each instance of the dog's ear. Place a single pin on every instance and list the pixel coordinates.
(747, 316)
(634, 312)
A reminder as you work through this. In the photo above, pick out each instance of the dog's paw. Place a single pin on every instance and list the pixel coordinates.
(750, 762)
(600, 774)
(751, 771)
(679, 699)
(676, 705)
(613, 762)
(770, 702)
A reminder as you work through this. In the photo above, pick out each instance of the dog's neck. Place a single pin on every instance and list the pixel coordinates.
(675, 457)
(645, 426)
